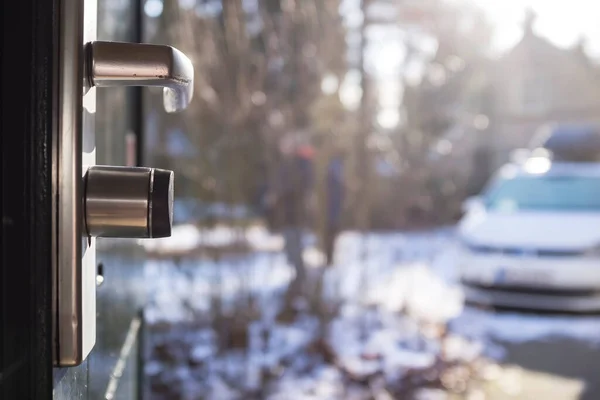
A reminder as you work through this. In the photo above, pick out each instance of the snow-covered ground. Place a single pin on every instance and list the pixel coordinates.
(399, 271)
(400, 309)
(188, 237)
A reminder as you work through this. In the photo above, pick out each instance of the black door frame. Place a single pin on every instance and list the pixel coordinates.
(28, 111)
(27, 56)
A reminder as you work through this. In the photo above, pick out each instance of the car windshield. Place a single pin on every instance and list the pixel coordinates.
(556, 193)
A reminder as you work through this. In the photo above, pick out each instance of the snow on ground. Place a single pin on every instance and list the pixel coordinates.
(410, 272)
(176, 290)
(188, 237)
(395, 291)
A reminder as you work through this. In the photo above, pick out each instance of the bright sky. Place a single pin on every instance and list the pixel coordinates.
(561, 21)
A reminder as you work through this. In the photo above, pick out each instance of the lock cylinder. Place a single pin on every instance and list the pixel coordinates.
(128, 202)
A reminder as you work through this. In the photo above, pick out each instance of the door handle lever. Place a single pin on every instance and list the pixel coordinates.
(136, 64)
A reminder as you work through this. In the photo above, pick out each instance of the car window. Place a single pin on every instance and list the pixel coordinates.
(556, 193)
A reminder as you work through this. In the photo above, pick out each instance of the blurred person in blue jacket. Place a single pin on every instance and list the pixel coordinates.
(335, 199)
(287, 199)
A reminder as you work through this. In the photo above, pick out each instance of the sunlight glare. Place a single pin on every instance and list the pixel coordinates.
(388, 118)
(153, 8)
(562, 22)
(537, 165)
(329, 84)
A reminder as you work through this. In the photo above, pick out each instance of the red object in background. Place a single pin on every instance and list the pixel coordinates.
(130, 149)
(306, 151)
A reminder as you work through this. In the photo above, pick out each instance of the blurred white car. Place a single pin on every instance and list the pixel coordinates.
(532, 239)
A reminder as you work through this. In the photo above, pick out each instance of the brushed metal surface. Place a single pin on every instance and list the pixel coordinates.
(128, 202)
(117, 201)
(135, 64)
(74, 289)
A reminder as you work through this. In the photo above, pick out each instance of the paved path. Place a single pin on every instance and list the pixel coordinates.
(554, 369)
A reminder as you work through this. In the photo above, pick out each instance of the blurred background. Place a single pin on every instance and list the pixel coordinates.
(375, 199)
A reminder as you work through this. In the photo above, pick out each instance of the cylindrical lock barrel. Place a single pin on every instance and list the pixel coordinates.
(128, 202)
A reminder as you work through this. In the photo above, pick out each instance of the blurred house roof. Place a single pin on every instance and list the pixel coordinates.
(536, 83)
(545, 55)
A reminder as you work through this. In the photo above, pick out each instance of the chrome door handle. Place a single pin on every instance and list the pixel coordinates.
(136, 64)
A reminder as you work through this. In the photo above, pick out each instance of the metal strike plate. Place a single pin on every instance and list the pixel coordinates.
(74, 258)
